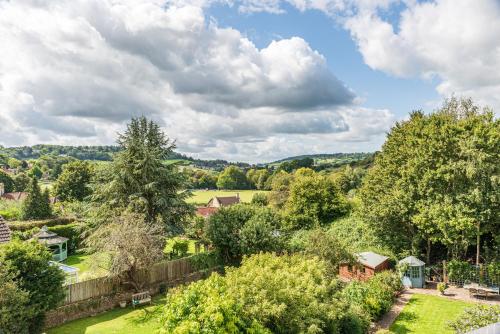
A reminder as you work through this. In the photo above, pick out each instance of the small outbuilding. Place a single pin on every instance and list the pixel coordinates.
(414, 277)
(58, 245)
(368, 264)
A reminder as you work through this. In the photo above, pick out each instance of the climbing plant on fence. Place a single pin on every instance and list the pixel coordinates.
(460, 272)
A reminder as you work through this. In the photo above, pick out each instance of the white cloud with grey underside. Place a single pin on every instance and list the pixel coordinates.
(75, 71)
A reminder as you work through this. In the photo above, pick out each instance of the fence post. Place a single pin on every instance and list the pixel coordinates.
(445, 276)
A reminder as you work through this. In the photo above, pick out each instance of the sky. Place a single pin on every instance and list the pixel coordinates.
(249, 80)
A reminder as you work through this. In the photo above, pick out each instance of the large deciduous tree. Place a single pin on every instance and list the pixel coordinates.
(132, 245)
(232, 178)
(73, 183)
(437, 180)
(314, 200)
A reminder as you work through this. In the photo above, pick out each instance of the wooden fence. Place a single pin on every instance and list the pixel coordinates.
(163, 272)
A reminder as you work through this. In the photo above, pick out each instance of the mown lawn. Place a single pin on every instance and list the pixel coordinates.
(203, 196)
(144, 320)
(425, 314)
(84, 263)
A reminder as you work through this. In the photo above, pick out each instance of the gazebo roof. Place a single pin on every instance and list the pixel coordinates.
(412, 261)
(48, 238)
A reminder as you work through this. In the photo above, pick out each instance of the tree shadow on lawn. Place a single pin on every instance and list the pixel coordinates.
(404, 318)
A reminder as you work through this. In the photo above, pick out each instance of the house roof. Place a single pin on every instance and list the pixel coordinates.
(371, 259)
(4, 231)
(412, 261)
(206, 211)
(229, 200)
(15, 196)
(48, 238)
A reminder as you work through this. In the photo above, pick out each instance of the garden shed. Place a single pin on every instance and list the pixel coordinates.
(58, 245)
(368, 264)
(414, 277)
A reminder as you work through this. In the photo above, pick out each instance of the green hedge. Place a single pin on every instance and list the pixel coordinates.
(30, 224)
(70, 231)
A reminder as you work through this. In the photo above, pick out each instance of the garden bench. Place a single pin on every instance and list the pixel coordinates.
(141, 298)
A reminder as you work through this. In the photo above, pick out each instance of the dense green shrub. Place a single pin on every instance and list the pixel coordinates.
(10, 210)
(475, 317)
(260, 199)
(7, 181)
(206, 307)
(177, 247)
(460, 271)
(28, 225)
(14, 311)
(374, 296)
(266, 294)
(28, 264)
(37, 203)
(208, 260)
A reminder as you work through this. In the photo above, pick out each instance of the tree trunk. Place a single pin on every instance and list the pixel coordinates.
(428, 255)
(478, 243)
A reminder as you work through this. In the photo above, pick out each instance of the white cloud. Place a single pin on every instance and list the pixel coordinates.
(455, 41)
(76, 71)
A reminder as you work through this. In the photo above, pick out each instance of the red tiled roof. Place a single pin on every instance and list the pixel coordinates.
(206, 212)
(4, 232)
(16, 196)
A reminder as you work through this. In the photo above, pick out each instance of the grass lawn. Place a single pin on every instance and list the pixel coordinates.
(84, 263)
(203, 196)
(426, 314)
(144, 320)
(191, 247)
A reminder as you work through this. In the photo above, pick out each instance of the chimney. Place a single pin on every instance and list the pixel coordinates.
(2, 189)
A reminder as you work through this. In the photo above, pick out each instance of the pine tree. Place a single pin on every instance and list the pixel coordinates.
(37, 204)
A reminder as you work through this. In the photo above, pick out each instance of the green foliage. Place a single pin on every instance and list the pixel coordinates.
(436, 179)
(232, 178)
(138, 179)
(28, 263)
(7, 181)
(224, 226)
(10, 210)
(177, 248)
(37, 204)
(287, 294)
(261, 233)
(260, 199)
(35, 172)
(314, 200)
(258, 178)
(79, 152)
(475, 317)
(376, 295)
(349, 179)
(207, 260)
(244, 229)
(73, 183)
(328, 248)
(280, 186)
(206, 307)
(290, 166)
(441, 287)
(21, 182)
(460, 271)
(267, 294)
(28, 225)
(200, 179)
(14, 311)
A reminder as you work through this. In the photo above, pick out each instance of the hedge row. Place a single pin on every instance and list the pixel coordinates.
(30, 224)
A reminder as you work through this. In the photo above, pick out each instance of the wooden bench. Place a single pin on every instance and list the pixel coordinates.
(141, 298)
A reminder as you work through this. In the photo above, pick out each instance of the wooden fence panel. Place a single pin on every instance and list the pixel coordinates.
(167, 272)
